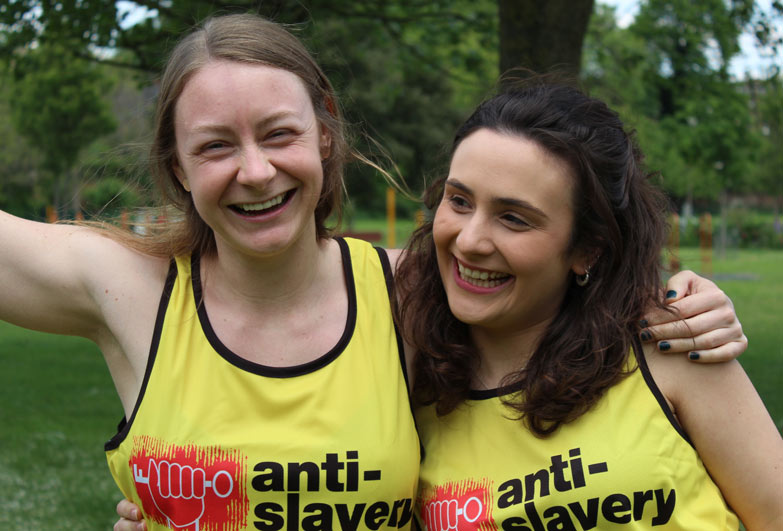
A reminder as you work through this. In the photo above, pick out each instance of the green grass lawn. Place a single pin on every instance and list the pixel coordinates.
(59, 405)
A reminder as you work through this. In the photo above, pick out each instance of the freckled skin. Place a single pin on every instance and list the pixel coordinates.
(234, 148)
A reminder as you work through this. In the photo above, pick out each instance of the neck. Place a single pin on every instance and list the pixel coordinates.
(266, 282)
(504, 352)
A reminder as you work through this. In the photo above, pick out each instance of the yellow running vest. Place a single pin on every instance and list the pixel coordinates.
(217, 443)
(624, 465)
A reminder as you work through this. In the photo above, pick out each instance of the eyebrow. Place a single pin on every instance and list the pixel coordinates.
(272, 118)
(505, 201)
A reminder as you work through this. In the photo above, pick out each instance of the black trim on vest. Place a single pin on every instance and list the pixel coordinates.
(266, 370)
(650, 381)
(389, 276)
(124, 425)
(484, 394)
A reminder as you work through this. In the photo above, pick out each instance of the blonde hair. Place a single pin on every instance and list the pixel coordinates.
(244, 38)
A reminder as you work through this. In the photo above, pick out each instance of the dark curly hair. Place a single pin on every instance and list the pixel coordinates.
(618, 215)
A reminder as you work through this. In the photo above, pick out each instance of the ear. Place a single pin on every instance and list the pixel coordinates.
(325, 143)
(180, 174)
(579, 269)
(584, 261)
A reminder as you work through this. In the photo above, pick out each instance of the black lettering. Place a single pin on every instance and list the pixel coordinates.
(407, 513)
(515, 523)
(577, 472)
(665, 507)
(295, 470)
(269, 519)
(639, 499)
(615, 504)
(349, 522)
(533, 517)
(513, 496)
(332, 465)
(562, 522)
(597, 468)
(589, 519)
(292, 517)
(372, 475)
(352, 472)
(271, 480)
(398, 504)
(542, 476)
(376, 514)
(557, 468)
(321, 521)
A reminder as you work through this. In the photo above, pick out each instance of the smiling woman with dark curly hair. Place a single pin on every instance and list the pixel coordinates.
(538, 407)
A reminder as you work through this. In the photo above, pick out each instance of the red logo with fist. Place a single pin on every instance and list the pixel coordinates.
(190, 488)
(462, 506)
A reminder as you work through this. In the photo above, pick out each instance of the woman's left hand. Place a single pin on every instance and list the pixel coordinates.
(704, 324)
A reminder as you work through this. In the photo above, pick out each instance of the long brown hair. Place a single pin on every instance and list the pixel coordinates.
(243, 38)
(618, 217)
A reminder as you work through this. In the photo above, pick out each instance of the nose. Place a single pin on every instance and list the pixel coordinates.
(255, 167)
(475, 236)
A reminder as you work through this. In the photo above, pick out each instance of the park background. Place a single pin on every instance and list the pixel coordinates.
(77, 88)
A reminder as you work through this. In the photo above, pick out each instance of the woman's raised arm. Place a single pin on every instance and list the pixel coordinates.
(69, 279)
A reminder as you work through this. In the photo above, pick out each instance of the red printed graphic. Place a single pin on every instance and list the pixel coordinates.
(463, 506)
(190, 488)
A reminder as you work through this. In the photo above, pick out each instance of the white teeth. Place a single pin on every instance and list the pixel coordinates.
(483, 279)
(263, 206)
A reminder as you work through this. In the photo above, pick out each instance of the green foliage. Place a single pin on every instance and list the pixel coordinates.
(19, 164)
(746, 229)
(108, 197)
(768, 176)
(667, 75)
(58, 105)
(407, 71)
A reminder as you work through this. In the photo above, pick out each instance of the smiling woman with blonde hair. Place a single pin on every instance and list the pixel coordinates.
(255, 356)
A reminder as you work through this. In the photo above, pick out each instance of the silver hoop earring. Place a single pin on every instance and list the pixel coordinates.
(582, 280)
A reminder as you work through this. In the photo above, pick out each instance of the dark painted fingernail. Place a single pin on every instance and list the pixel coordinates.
(646, 335)
(643, 323)
(664, 345)
(671, 294)
(693, 355)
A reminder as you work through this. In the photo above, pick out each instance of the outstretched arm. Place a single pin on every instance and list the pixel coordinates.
(44, 273)
(704, 324)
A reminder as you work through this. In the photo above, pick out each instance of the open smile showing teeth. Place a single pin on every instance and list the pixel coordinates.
(260, 208)
(482, 279)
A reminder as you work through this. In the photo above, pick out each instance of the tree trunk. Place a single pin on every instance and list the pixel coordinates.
(543, 36)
